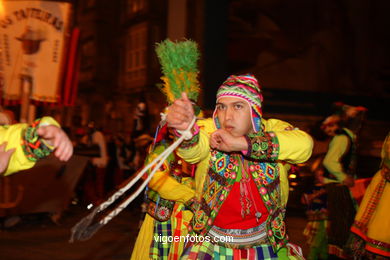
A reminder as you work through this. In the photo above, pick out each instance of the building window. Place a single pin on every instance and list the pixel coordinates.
(136, 55)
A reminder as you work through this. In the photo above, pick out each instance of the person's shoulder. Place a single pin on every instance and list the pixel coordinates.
(273, 124)
(346, 132)
(207, 124)
(340, 137)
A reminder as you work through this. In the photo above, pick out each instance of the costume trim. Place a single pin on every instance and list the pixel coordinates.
(264, 147)
(372, 245)
(371, 205)
(33, 146)
(241, 238)
(186, 144)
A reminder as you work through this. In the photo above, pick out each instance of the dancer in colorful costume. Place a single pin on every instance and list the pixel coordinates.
(23, 145)
(371, 228)
(172, 186)
(241, 177)
(340, 170)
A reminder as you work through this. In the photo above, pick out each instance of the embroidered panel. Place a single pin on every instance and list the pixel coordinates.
(266, 177)
(276, 228)
(223, 172)
(264, 147)
(202, 213)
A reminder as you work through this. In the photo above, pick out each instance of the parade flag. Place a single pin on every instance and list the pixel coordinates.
(32, 48)
(71, 72)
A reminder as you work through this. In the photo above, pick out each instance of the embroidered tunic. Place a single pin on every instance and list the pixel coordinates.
(268, 154)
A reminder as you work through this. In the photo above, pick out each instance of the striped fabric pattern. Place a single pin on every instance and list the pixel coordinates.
(241, 238)
(208, 251)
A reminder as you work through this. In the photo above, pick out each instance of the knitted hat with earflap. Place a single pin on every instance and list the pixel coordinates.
(246, 88)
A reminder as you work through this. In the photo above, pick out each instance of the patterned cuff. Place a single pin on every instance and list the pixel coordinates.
(249, 150)
(194, 140)
(34, 148)
(264, 147)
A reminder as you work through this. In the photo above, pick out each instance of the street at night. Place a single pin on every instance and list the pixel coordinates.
(36, 237)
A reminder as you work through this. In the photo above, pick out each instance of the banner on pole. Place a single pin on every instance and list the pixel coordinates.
(32, 41)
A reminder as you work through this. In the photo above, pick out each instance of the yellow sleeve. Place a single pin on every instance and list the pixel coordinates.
(201, 148)
(295, 146)
(165, 185)
(337, 148)
(169, 188)
(14, 136)
(284, 184)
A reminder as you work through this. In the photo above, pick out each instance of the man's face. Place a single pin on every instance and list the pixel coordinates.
(234, 115)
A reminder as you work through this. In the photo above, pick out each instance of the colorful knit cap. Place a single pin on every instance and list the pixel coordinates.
(247, 88)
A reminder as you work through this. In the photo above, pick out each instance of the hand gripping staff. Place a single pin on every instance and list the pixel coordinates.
(85, 229)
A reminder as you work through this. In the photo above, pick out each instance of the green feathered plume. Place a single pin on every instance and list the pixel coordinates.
(179, 65)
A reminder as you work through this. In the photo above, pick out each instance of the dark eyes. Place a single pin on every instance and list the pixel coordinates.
(221, 107)
(235, 106)
(238, 106)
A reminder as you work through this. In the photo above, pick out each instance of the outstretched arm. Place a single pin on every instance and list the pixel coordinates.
(33, 142)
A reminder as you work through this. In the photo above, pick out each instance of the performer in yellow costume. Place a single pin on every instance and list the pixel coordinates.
(167, 216)
(371, 228)
(23, 145)
(241, 178)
